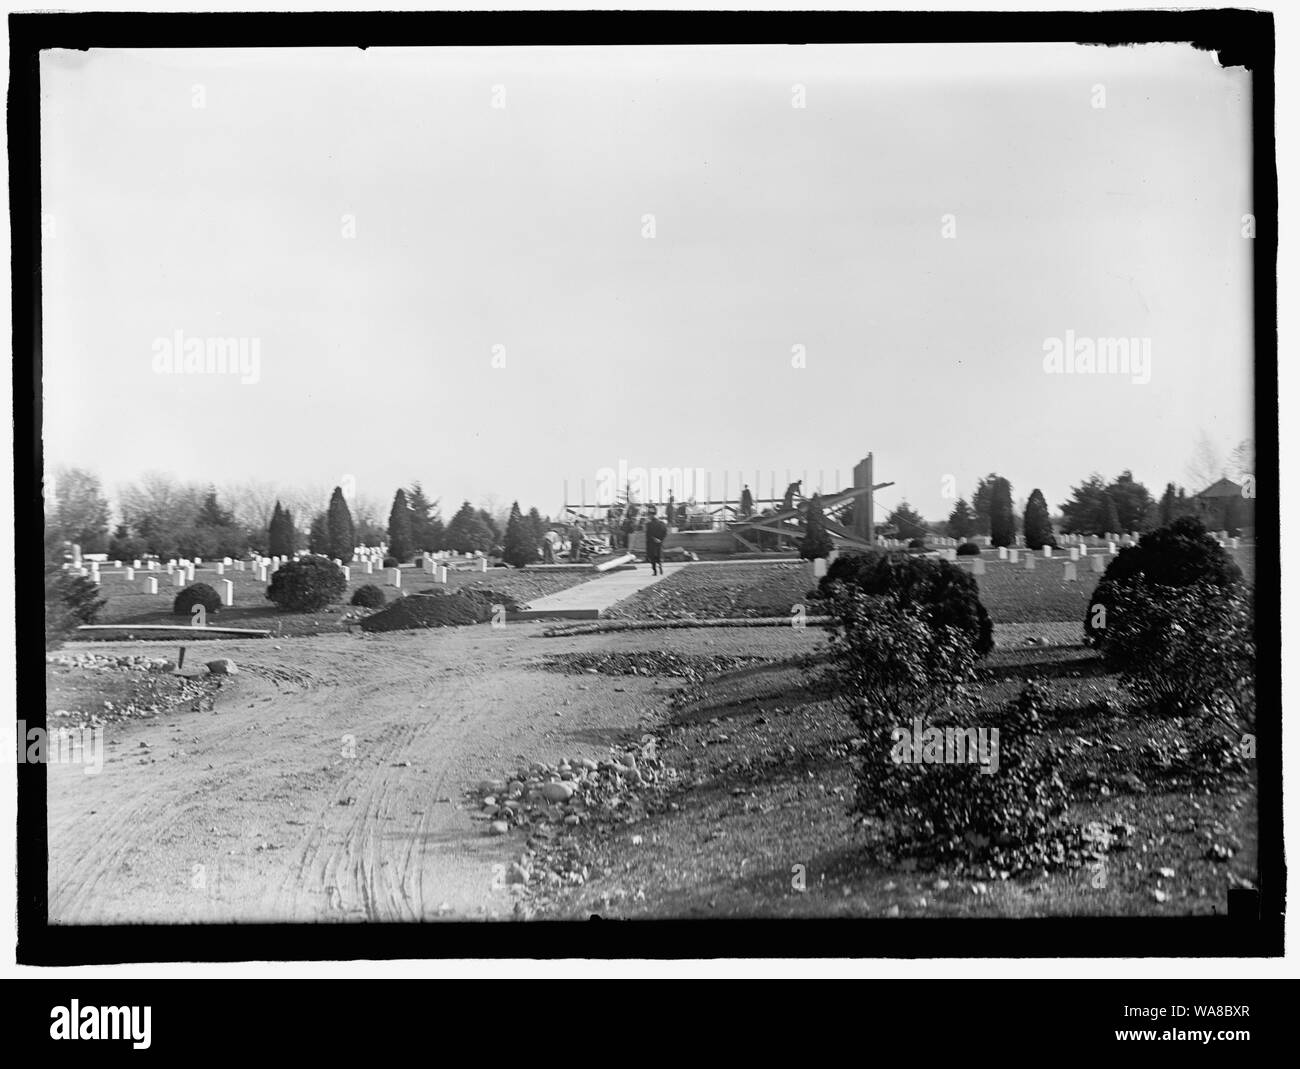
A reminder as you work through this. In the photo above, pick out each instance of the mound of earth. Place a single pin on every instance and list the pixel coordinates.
(470, 606)
(656, 663)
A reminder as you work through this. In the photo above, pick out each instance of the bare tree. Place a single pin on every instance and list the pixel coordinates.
(1206, 465)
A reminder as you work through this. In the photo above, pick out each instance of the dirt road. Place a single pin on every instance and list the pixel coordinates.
(327, 782)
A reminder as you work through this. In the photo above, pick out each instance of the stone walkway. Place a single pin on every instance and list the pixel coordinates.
(589, 600)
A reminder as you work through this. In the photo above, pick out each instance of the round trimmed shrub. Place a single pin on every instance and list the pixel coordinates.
(945, 595)
(916, 543)
(307, 584)
(968, 549)
(1179, 555)
(198, 594)
(369, 597)
(391, 562)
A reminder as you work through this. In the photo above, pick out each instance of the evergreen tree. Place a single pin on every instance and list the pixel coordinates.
(907, 523)
(401, 544)
(275, 533)
(491, 524)
(426, 524)
(961, 523)
(746, 502)
(342, 532)
(536, 527)
(1109, 516)
(1086, 513)
(520, 549)
(816, 541)
(468, 532)
(1038, 522)
(1002, 520)
(1132, 502)
(318, 539)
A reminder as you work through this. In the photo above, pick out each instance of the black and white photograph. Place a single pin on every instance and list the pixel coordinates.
(494, 482)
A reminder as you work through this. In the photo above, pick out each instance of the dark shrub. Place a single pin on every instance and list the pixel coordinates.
(968, 549)
(307, 584)
(70, 601)
(1179, 555)
(916, 543)
(369, 596)
(1186, 649)
(391, 562)
(198, 594)
(943, 593)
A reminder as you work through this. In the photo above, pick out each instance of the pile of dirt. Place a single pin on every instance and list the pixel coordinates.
(651, 663)
(469, 606)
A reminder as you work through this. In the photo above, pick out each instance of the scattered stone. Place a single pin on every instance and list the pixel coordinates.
(223, 666)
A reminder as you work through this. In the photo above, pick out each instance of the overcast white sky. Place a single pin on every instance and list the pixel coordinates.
(522, 227)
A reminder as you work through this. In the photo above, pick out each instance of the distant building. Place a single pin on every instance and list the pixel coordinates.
(1222, 506)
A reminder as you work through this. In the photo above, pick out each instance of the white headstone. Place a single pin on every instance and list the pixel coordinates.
(1110, 548)
(1234, 543)
(117, 564)
(978, 569)
(482, 564)
(239, 565)
(819, 567)
(261, 573)
(227, 562)
(442, 573)
(1083, 550)
(1029, 562)
(227, 592)
(347, 574)
(395, 577)
(151, 585)
(369, 567)
(1074, 553)
(170, 567)
(135, 564)
(1098, 564)
(1047, 553)
(1014, 554)
(178, 578)
(1071, 571)
(1002, 552)
(153, 565)
(221, 568)
(189, 574)
(130, 575)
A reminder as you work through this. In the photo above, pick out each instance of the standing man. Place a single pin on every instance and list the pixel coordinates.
(655, 533)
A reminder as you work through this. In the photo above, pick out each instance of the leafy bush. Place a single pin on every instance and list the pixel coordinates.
(1038, 522)
(945, 595)
(307, 584)
(968, 549)
(369, 596)
(198, 594)
(1186, 649)
(70, 601)
(916, 543)
(1179, 555)
(391, 562)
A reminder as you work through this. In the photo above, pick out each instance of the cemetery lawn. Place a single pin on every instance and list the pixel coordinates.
(763, 784)
(128, 604)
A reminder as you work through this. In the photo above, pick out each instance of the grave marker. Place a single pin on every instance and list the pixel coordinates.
(1002, 552)
(1013, 554)
(1029, 562)
(979, 566)
(395, 577)
(130, 575)
(227, 592)
(1098, 564)
(1074, 553)
(1047, 553)
(151, 585)
(1071, 572)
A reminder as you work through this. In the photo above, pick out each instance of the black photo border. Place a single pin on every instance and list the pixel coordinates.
(1254, 924)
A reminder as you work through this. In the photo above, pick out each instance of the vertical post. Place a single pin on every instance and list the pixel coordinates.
(583, 503)
(726, 487)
